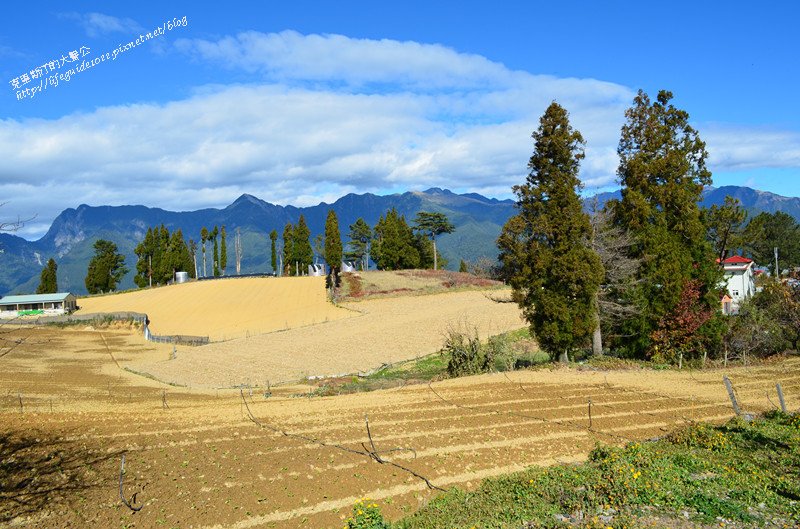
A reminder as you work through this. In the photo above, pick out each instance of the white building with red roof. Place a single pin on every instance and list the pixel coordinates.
(741, 281)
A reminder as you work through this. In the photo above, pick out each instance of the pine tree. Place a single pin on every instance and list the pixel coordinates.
(48, 283)
(273, 237)
(662, 171)
(333, 246)
(223, 249)
(433, 224)
(544, 247)
(462, 267)
(425, 248)
(106, 268)
(303, 253)
(360, 238)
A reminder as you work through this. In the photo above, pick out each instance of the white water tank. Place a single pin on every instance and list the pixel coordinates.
(181, 277)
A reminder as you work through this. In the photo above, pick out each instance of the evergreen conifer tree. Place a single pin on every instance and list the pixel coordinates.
(662, 171)
(333, 246)
(106, 268)
(303, 253)
(433, 224)
(394, 245)
(360, 238)
(223, 251)
(544, 247)
(273, 237)
(288, 249)
(48, 282)
(213, 235)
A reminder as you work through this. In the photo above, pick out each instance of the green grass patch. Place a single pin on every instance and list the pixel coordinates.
(736, 475)
(511, 350)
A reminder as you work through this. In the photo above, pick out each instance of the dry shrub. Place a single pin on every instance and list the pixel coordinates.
(353, 284)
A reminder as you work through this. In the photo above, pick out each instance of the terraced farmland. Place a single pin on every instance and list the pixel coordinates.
(196, 459)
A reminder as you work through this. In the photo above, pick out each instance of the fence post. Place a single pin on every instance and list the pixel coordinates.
(732, 395)
(780, 397)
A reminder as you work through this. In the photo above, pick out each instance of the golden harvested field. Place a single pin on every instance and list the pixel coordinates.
(382, 331)
(226, 308)
(195, 460)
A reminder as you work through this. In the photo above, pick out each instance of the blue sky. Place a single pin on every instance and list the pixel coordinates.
(304, 102)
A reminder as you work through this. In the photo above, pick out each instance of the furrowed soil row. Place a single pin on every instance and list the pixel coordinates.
(203, 463)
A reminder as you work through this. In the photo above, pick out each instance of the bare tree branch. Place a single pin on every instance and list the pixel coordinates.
(129, 505)
(371, 452)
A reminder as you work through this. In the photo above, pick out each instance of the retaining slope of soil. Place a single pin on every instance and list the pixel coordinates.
(384, 331)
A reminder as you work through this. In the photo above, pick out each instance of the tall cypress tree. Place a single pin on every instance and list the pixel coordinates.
(288, 249)
(203, 238)
(223, 252)
(333, 246)
(213, 236)
(662, 171)
(48, 282)
(303, 254)
(544, 247)
(273, 237)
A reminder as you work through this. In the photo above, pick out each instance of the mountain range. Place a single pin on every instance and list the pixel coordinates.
(478, 221)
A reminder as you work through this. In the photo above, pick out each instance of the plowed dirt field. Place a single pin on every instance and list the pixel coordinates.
(196, 459)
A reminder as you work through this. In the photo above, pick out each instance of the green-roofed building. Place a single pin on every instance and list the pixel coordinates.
(38, 304)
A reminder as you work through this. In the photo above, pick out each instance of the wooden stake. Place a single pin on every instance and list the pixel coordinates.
(21, 409)
(732, 396)
(780, 397)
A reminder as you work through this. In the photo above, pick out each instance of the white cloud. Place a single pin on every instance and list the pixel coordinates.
(325, 115)
(98, 24)
(733, 148)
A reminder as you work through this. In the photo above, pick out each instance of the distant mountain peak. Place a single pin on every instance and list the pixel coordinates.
(247, 198)
(438, 191)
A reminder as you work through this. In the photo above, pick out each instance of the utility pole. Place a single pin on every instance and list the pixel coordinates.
(150, 269)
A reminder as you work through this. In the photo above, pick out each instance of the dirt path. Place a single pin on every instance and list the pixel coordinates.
(199, 462)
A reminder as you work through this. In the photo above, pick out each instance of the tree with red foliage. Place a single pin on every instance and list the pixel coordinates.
(678, 335)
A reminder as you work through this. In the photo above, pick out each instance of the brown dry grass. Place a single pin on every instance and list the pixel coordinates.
(226, 308)
(368, 285)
